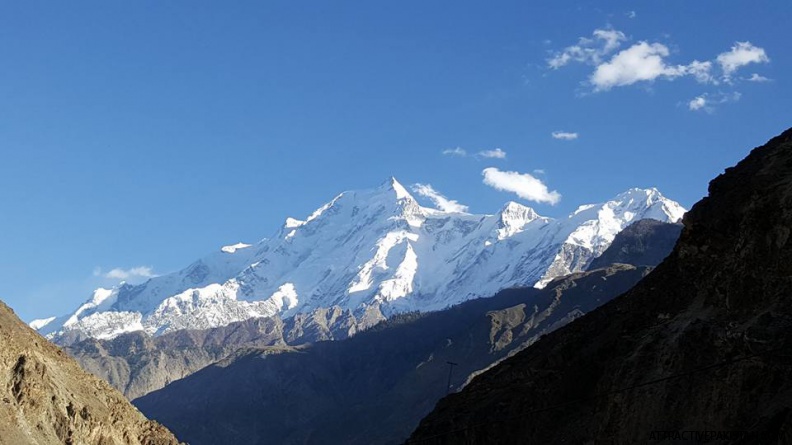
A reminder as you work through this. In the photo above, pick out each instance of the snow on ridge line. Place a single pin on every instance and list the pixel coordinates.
(234, 247)
(41, 322)
(367, 248)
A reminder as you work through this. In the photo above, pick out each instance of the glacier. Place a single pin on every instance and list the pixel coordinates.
(369, 252)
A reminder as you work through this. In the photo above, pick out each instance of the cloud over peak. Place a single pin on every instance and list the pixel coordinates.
(523, 185)
(134, 273)
(439, 200)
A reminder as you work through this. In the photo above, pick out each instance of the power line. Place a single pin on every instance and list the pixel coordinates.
(450, 370)
(603, 394)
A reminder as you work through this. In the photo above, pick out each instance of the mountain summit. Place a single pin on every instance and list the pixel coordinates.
(374, 252)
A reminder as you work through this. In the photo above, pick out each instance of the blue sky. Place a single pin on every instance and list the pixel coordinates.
(146, 134)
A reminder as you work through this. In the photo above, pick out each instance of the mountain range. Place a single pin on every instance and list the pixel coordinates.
(258, 381)
(368, 254)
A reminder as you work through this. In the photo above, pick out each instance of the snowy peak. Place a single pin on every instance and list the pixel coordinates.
(591, 228)
(650, 203)
(400, 191)
(373, 251)
(513, 218)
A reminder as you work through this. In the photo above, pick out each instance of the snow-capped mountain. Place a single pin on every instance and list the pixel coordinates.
(366, 249)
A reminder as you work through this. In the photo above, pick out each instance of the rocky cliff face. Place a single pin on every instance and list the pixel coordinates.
(374, 387)
(701, 344)
(643, 243)
(137, 363)
(45, 398)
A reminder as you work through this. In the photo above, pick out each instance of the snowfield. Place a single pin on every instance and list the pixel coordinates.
(362, 249)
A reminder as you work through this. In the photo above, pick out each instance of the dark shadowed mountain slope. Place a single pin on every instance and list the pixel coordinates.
(646, 242)
(45, 398)
(375, 386)
(703, 343)
(137, 363)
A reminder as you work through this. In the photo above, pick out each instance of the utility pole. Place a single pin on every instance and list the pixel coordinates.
(450, 371)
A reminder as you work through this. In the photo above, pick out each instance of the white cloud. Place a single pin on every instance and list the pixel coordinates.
(497, 153)
(702, 71)
(697, 103)
(741, 54)
(589, 50)
(459, 151)
(564, 136)
(707, 102)
(539, 171)
(631, 14)
(646, 61)
(757, 78)
(522, 184)
(442, 203)
(640, 62)
(134, 273)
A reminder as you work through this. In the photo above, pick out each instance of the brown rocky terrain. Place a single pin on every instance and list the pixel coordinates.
(137, 363)
(702, 344)
(46, 398)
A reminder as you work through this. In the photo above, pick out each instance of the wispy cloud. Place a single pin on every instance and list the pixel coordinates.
(697, 103)
(740, 55)
(707, 102)
(564, 135)
(757, 78)
(459, 151)
(631, 15)
(134, 273)
(439, 200)
(523, 185)
(496, 153)
(589, 50)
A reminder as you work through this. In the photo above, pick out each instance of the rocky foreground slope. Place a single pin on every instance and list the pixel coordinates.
(46, 398)
(702, 344)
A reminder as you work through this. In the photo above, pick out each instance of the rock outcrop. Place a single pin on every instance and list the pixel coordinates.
(701, 345)
(646, 242)
(46, 398)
